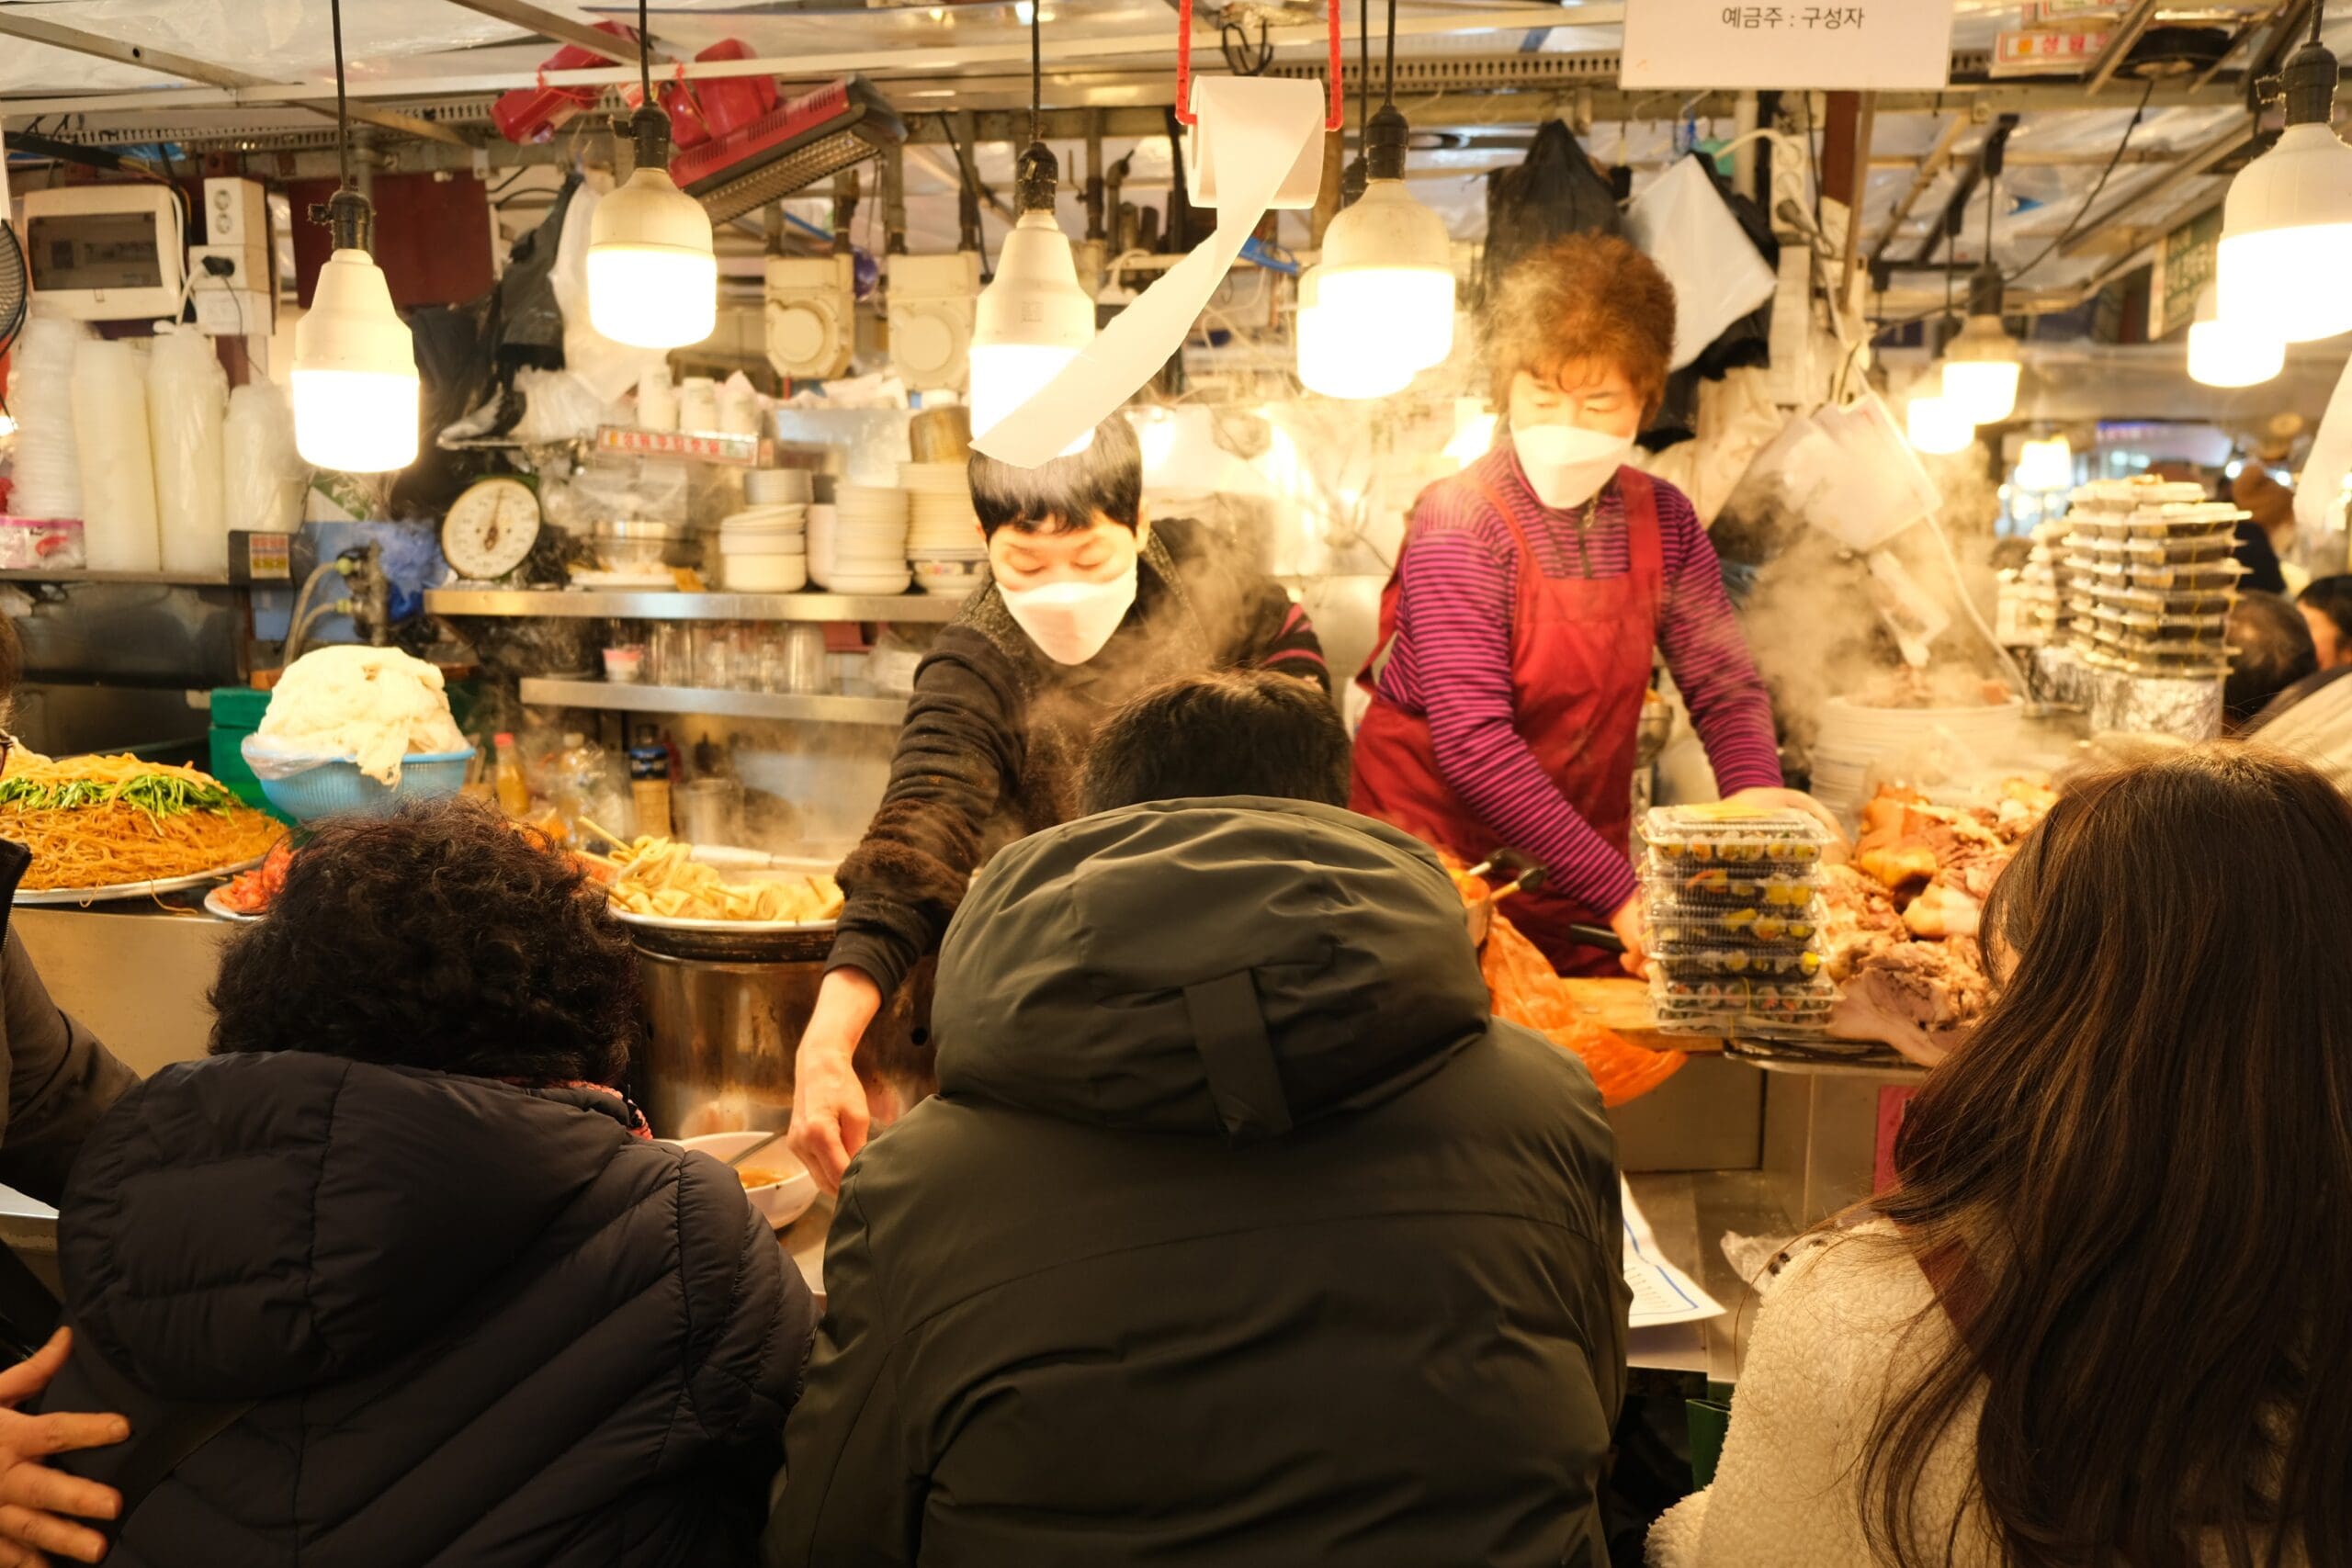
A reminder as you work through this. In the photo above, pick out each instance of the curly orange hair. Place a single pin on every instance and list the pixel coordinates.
(1586, 297)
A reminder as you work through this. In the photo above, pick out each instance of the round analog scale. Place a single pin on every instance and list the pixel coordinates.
(490, 528)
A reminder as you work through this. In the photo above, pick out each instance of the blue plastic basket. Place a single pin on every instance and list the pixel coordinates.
(334, 789)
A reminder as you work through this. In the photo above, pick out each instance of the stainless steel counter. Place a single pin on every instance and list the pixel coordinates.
(137, 979)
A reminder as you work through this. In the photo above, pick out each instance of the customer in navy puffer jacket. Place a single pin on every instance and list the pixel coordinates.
(452, 1304)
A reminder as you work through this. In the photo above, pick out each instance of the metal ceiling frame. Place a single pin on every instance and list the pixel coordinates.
(561, 29)
(14, 23)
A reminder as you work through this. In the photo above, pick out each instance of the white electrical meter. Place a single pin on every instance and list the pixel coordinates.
(812, 315)
(107, 253)
(931, 302)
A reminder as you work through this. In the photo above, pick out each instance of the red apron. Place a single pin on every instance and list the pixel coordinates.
(1580, 658)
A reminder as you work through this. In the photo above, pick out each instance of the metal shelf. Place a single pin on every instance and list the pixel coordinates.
(541, 693)
(663, 606)
(158, 579)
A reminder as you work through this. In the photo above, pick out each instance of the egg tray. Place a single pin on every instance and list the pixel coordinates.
(1685, 839)
(1783, 965)
(2132, 494)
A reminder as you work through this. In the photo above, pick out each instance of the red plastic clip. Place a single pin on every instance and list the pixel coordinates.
(1185, 116)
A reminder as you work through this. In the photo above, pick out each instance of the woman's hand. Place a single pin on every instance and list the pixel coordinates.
(33, 1498)
(1790, 800)
(829, 1113)
(1634, 931)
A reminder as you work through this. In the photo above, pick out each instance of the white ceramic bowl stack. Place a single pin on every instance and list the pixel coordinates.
(765, 550)
(869, 540)
(943, 541)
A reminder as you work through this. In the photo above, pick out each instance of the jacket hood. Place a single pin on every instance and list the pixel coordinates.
(1230, 968)
(246, 1226)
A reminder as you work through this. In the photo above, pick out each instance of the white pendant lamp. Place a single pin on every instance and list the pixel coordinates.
(1336, 357)
(1387, 264)
(355, 387)
(1936, 428)
(1981, 366)
(2226, 354)
(2286, 249)
(652, 265)
(1033, 318)
(2046, 464)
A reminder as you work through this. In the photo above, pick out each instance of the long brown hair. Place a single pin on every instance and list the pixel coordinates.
(2145, 1154)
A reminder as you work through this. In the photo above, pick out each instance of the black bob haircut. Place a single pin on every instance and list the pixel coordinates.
(435, 937)
(2332, 597)
(1236, 732)
(2273, 651)
(1062, 496)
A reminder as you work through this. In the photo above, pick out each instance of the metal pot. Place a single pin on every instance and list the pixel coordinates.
(724, 1015)
(941, 434)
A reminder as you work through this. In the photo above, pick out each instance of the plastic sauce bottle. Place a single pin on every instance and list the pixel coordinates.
(506, 778)
(649, 782)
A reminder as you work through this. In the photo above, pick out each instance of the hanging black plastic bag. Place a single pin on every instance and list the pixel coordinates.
(1551, 193)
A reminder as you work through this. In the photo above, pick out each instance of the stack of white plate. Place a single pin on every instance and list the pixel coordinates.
(943, 541)
(869, 541)
(765, 549)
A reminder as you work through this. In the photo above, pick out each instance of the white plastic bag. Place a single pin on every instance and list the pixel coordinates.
(188, 405)
(558, 405)
(263, 478)
(1681, 222)
(609, 368)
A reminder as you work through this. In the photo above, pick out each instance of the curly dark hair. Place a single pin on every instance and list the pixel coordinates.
(1587, 296)
(439, 937)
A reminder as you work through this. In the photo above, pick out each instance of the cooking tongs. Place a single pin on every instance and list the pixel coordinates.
(1526, 876)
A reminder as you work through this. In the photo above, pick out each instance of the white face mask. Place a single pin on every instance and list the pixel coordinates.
(1072, 621)
(1566, 464)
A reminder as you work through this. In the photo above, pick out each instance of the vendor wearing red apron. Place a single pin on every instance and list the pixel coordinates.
(1518, 630)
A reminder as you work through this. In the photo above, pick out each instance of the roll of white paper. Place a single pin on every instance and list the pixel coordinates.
(1261, 128)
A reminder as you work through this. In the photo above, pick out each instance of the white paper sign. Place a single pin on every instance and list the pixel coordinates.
(1662, 1293)
(1859, 44)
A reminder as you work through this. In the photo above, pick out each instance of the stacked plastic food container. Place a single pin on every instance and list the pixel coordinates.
(2150, 579)
(1734, 901)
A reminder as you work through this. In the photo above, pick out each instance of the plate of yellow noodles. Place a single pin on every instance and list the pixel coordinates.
(657, 882)
(106, 827)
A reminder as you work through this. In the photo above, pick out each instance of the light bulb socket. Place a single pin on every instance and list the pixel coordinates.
(649, 130)
(2310, 82)
(350, 218)
(1384, 143)
(1037, 179)
(1351, 181)
(1984, 290)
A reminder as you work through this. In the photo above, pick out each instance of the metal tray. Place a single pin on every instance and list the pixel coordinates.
(35, 896)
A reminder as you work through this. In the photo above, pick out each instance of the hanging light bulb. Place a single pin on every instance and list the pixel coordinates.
(652, 265)
(1935, 426)
(1981, 367)
(1336, 357)
(1387, 260)
(355, 382)
(2226, 354)
(2046, 464)
(1033, 318)
(2286, 246)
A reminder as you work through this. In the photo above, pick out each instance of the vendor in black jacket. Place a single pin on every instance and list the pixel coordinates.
(1090, 605)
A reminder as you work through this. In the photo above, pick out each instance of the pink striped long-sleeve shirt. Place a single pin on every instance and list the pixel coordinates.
(1451, 660)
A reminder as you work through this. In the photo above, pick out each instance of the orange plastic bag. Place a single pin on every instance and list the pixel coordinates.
(1526, 992)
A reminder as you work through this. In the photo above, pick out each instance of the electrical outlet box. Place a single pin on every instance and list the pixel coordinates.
(230, 285)
(932, 304)
(236, 212)
(812, 315)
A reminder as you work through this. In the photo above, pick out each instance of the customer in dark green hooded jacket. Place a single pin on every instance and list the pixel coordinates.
(1239, 1231)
